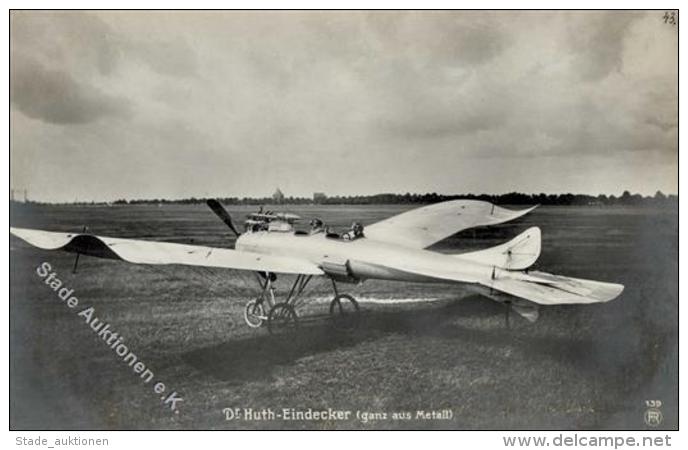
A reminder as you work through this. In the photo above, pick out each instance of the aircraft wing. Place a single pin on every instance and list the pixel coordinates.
(422, 227)
(151, 252)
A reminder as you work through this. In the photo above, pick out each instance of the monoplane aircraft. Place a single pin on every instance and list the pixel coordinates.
(393, 249)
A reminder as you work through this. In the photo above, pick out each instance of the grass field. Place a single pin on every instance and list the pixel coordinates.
(434, 347)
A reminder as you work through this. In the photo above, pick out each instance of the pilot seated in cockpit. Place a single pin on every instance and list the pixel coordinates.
(355, 232)
(317, 226)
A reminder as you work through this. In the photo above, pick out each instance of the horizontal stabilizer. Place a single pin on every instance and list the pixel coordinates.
(517, 254)
(547, 289)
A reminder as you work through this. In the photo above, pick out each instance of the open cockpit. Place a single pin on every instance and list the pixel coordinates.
(277, 222)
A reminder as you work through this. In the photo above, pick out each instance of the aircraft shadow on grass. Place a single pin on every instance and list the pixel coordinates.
(256, 358)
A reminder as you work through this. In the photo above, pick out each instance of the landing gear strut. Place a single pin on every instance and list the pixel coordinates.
(282, 316)
(344, 311)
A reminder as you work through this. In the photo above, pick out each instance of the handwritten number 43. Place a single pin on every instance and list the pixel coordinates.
(671, 18)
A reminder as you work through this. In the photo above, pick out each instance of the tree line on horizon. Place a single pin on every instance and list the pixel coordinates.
(512, 198)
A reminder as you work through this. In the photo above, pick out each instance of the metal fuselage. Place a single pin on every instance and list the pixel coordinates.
(365, 258)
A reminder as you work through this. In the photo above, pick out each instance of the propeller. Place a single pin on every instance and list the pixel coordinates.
(222, 213)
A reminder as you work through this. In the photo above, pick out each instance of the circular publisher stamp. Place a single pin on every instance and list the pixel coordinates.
(653, 417)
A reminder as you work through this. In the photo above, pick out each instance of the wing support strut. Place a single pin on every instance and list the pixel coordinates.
(76, 259)
(334, 287)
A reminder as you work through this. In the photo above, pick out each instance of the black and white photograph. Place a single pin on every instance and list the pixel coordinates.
(343, 220)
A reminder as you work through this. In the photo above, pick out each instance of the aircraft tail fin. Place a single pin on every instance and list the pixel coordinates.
(519, 253)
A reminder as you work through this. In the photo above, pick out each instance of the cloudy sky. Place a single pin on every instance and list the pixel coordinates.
(140, 105)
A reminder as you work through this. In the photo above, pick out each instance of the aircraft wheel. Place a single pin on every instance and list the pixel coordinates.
(254, 314)
(345, 312)
(282, 318)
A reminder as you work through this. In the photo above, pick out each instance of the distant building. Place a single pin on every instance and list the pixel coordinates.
(278, 196)
(319, 197)
(13, 196)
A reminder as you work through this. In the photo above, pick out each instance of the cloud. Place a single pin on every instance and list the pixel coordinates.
(598, 42)
(434, 120)
(437, 38)
(53, 96)
(94, 46)
(343, 102)
(169, 57)
(66, 39)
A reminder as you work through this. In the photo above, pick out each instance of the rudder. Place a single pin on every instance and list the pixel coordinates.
(519, 253)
